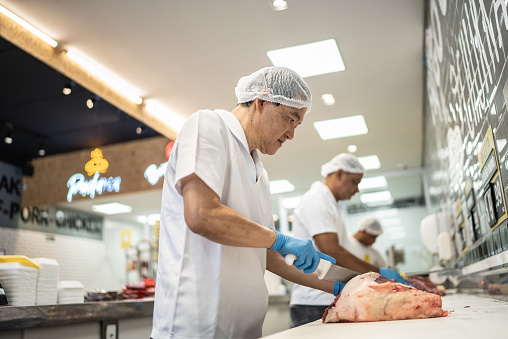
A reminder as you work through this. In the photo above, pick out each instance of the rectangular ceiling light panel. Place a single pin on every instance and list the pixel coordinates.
(281, 186)
(341, 127)
(111, 208)
(373, 182)
(370, 162)
(311, 59)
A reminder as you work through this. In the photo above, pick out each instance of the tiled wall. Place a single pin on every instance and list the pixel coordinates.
(466, 52)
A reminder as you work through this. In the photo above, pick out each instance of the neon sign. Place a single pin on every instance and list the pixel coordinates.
(78, 184)
(153, 172)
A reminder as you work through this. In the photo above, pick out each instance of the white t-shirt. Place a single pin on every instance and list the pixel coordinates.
(317, 213)
(366, 253)
(205, 289)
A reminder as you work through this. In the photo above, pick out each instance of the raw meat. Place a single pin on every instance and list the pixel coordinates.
(425, 284)
(372, 297)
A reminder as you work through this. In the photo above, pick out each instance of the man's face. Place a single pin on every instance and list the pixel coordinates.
(276, 124)
(367, 239)
(348, 184)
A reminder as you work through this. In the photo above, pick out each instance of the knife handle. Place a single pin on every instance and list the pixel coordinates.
(323, 268)
(290, 258)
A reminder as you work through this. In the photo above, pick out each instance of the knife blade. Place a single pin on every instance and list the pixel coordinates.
(328, 271)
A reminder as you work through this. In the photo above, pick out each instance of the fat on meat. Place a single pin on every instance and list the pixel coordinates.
(372, 297)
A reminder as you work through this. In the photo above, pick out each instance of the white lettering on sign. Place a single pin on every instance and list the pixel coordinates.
(78, 184)
(154, 173)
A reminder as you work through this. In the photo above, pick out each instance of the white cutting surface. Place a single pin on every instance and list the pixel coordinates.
(473, 317)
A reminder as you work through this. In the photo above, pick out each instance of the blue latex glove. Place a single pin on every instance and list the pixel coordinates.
(338, 287)
(392, 274)
(307, 257)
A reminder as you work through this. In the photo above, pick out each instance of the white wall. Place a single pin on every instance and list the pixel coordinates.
(96, 264)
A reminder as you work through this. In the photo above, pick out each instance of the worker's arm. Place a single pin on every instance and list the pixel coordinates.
(276, 264)
(329, 243)
(207, 216)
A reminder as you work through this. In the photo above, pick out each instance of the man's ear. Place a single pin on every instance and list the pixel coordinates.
(259, 104)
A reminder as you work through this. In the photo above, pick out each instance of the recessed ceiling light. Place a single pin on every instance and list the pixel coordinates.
(352, 148)
(370, 162)
(281, 186)
(377, 197)
(373, 182)
(279, 5)
(111, 208)
(341, 127)
(311, 59)
(328, 99)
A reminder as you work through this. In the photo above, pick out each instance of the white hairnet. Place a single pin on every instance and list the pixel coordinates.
(344, 161)
(275, 84)
(370, 225)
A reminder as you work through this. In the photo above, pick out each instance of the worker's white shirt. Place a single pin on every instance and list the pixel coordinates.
(204, 289)
(366, 253)
(317, 213)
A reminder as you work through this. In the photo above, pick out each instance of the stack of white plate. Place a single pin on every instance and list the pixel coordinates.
(19, 283)
(47, 281)
(70, 292)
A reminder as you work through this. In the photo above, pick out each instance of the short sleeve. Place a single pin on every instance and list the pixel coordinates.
(315, 216)
(201, 150)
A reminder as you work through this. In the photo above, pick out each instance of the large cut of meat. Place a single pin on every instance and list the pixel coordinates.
(424, 284)
(372, 297)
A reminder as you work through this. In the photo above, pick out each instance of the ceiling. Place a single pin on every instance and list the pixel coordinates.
(188, 55)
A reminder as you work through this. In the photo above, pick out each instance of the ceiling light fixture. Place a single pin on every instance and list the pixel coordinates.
(310, 59)
(28, 27)
(165, 115)
(373, 182)
(370, 162)
(68, 88)
(341, 127)
(41, 151)
(8, 136)
(139, 130)
(281, 186)
(328, 99)
(112, 208)
(352, 148)
(108, 77)
(377, 198)
(279, 5)
(92, 101)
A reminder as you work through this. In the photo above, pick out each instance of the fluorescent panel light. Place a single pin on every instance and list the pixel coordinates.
(165, 114)
(391, 212)
(382, 196)
(373, 182)
(281, 186)
(341, 127)
(311, 59)
(148, 219)
(28, 27)
(111, 208)
(290, 203)
(105, 75)
(370, 162)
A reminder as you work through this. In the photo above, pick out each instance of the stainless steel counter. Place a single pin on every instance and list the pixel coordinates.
(18, 317)
(471, 317)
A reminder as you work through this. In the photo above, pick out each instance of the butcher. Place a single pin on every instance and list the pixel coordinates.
(318, 218)
(361, 242)
(215, 237)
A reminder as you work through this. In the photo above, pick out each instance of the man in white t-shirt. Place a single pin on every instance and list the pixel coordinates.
(215, 240)
(360, 243)
(318, 217)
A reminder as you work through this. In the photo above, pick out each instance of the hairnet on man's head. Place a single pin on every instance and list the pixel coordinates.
(344, 161)
(275, 84)
(371, 226)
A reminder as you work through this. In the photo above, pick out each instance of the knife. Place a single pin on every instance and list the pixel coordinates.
(328, 271)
